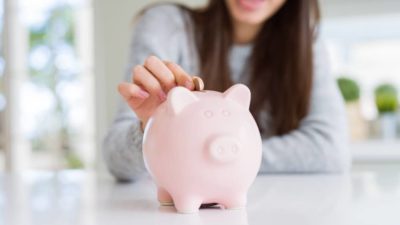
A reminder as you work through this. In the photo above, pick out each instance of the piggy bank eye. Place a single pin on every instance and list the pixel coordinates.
(208, 114)
(226, 113)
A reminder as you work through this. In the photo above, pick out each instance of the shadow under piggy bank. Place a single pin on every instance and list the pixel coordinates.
(209, 216)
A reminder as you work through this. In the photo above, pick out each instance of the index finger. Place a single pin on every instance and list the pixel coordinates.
(161, 72)
(181, 77)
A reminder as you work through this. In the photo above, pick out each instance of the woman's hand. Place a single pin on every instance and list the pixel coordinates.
(150, 85)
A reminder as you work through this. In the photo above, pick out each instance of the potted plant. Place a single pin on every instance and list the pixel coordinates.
(351, 94)
(387, 103)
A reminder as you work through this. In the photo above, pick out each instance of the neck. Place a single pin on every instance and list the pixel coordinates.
(244, 33)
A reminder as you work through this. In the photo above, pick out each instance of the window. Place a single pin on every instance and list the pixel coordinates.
(366, 50)
(52, 83)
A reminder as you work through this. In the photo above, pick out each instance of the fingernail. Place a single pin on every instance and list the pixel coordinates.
(162, 96)
(143, 94)
(189, 84)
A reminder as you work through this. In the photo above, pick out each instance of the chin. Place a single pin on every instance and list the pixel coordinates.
(250, 19)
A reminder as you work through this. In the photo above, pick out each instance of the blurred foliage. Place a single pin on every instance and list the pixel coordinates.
(386, 98)
(55, 35)
(349, 88)
(73, 161)
(55, 32)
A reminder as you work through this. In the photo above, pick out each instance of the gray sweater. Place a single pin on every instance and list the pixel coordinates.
(318, 145)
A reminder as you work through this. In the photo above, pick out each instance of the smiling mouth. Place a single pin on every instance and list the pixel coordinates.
(250, 5)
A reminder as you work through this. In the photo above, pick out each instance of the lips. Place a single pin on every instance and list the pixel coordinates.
(250, 5)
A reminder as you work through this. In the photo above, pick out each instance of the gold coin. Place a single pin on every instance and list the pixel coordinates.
(198, 83)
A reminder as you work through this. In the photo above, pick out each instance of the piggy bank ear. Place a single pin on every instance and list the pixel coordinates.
(180, 97)
(239, 93)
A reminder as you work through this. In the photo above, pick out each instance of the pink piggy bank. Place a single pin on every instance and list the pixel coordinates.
(203, 147)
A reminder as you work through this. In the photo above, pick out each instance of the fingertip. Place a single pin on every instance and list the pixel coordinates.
(123, 90)
(189, 84)
(149, 60)
(167, 62)
(120, 87)
(181, 77)
(137, 69)
(176, 66)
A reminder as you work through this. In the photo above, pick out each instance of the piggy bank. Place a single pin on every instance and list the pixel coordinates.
(203, 147)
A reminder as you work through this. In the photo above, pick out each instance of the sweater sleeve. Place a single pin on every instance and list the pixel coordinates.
(320, 143)
(155, 33)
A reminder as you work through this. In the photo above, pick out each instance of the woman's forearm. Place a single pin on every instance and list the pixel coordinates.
(122, 150)
(309, 150)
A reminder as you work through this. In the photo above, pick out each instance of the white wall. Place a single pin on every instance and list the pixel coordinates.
(350, 8)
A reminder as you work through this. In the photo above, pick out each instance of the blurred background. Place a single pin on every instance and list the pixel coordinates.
(61, 60)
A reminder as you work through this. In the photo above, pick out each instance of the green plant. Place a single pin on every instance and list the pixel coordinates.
(349, 89)
(73, 161)
(55, 36)
(386, 99)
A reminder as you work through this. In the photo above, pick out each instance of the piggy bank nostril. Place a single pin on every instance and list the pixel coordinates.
(226, 113)
(208, 114)
(224, 148)
(234, 148)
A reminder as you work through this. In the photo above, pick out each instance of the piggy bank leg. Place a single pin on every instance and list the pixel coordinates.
(235, 202)
(164, 197)
(187, 204)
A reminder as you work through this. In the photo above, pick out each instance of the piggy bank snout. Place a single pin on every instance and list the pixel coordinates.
(224, 149)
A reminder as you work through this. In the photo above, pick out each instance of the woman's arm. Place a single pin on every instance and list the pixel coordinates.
(155, 34)
(320, 143)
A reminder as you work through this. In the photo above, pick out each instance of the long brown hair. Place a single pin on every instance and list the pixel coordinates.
(281, 64)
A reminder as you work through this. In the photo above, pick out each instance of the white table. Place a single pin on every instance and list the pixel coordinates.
(74, 197)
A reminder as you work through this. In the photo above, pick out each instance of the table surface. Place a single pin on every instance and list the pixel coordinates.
(76, 197)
